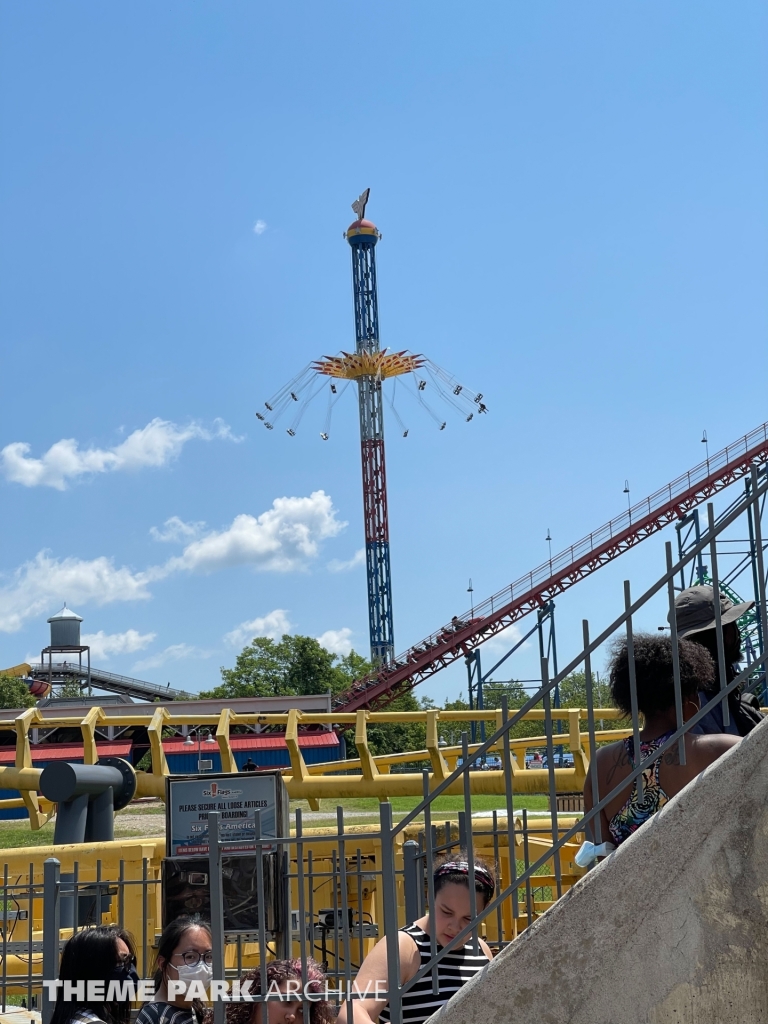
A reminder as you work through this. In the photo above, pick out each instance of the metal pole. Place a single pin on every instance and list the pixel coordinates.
(595, 826)
(51, 930)
(552, 649)
(217, 908)
(469, 845)
(345, 922)
(718, 611)
(411, 862)
(480, 695)
(510, 806)
(636, 752)
(285, 880)
(429, 841)
(389, 893)
(760, 594)
(261, 903)
(551, 774)
(675, 653)
(470, 661)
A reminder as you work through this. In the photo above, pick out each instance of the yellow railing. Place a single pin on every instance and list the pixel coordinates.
(366, 775)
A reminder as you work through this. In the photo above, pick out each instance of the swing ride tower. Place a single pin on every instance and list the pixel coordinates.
(369, 366)
(363, 236)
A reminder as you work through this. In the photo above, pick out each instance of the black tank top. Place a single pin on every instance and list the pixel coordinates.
(453, 971)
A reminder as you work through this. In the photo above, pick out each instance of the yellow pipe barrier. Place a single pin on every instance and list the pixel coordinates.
(567, 780)
(440, 768)
(11, 804)
(24, 761)
(20, 778)
(315, 718)
(228, 762)
(88, 728)
(298, 764)
(329, 779)
(367, 760)
(384, 761)
(150, 785)
(155, 730)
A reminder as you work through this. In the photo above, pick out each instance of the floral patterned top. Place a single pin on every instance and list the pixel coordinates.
(636, 811)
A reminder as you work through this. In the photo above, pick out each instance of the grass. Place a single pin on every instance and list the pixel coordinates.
(143, 809)
(366, 810)
(17, 834)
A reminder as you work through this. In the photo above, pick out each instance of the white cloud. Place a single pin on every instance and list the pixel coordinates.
(282, 539)
(176, 652)
(105, 644)
(500, 643)
(337, 641)
(357, 559)
(259, 227)
(154, 445)
(40, 586)
(285, 538)
(274, 625)
(175, 531)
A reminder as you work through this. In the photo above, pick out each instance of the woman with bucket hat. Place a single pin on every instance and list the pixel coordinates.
(696, 621)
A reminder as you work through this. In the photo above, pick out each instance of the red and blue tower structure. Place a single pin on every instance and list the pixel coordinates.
(369, 366)
(363, 236)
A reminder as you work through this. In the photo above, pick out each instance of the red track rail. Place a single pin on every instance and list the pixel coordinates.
(558, 574)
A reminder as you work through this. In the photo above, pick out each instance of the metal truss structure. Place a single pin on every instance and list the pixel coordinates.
(371, 366)
(532, 591)
(362, 241)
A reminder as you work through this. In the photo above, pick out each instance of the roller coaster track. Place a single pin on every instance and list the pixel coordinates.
(557, 574)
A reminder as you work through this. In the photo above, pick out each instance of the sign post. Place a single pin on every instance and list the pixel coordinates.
(236, 798)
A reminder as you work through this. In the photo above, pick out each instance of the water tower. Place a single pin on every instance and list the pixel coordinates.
(65, 639)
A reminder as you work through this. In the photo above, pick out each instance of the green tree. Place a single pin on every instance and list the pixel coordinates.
(70, 688)
(14, 693)
(393, 737)
(573, 694)
(517, 696)
(293, 665)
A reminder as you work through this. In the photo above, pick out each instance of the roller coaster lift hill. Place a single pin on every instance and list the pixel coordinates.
(370, 366)
(534, 590)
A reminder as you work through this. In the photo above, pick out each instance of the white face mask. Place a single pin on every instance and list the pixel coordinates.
(199, 972)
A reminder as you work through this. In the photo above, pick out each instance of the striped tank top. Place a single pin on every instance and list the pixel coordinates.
(453, 972)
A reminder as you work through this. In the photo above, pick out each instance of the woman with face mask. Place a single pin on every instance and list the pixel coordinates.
(184, 956)
(92, 960)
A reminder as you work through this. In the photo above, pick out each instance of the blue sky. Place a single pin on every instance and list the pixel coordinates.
(574, 210)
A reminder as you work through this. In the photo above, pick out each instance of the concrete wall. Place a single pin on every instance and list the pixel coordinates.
(671, 929)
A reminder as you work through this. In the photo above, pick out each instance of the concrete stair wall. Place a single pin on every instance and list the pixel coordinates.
(671, 929)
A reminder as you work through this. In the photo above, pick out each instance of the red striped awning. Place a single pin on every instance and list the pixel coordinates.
(67, 751)
(253, 741)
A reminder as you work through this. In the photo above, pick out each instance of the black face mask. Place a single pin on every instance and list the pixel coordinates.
(124, 972)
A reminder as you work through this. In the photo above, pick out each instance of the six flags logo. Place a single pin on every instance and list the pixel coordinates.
(217, 791)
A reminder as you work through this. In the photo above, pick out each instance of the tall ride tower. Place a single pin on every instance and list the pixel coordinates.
(362, 236)
(370, 366)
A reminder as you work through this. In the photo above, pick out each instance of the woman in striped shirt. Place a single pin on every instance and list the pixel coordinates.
(449, 916)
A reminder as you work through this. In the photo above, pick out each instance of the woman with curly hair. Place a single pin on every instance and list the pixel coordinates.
(655, 687)
(283, 977)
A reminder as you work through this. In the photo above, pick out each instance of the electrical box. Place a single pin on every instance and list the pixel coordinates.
(187, 890)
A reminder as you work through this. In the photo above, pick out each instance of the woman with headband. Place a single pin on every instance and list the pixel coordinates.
(450, 915)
